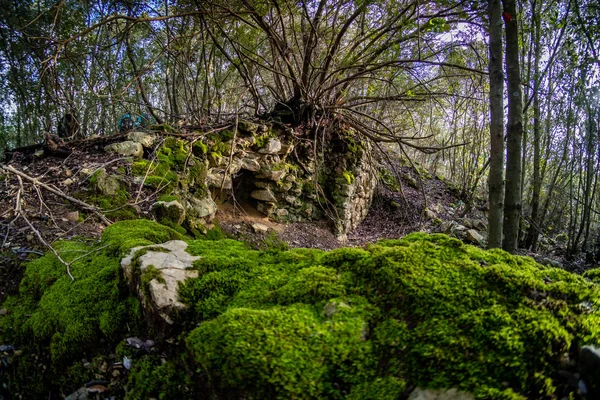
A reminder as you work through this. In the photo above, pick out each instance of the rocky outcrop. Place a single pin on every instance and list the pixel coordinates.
(155, 273)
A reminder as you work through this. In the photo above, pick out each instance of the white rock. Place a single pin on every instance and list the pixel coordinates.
(263, 195)
(127, 148)
(273, 146)
(143, 138)
(258, 227)
(430, 394)
(173, 267)
(474, 236)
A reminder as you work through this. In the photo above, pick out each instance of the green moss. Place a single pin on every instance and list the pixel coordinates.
(425, 310)
(167, 198)
(348, 177)
(593, 275)
(72, 316)
(199, 148)
(149, 274)
(150, 378)
(294, 351)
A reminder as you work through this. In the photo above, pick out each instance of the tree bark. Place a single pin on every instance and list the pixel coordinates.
(496, 176)
(512, 194)
(532, 233)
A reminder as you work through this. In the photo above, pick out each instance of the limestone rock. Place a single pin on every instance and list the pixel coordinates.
(106, 184)
(217, 177)
(258, 227)
(430, 214)
(480, 225)
(474, 236)
(263, 195)
(172, 266)
(172, 211)
(430, 394)
(250, 164)
(272, 175)
(128, 148)
(265, 208)
(199, 208)
(73, 216)
(446, 227)
(143, 138)
(273, 146)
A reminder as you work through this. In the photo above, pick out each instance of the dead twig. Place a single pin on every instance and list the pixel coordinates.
(37, 233)
(57, 192)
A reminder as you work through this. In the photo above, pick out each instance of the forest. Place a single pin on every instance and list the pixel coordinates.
(363, 199)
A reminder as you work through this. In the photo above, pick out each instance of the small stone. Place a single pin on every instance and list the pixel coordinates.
(589, 367)
(143, 138)
(67, 182)
(128, 149)
(480, 225)
(431, 394)
(273, 146)
(430, 214)
(282, 212)
(217, 178)
(265, 208)
(86, 171)
(263, 195)
(73, 216)
(258, 227)
(106, 184)
(68, 173)
(468, 222)
(446, 227)
(39, 153)
(3, 311)
(29, 238)
(250, 164)
(474, 236)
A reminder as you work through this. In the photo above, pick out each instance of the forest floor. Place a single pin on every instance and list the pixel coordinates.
(392, 215)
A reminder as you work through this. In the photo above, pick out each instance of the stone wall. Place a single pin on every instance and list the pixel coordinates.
(275, 169)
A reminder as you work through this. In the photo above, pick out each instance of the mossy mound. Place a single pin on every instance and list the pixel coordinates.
(56, 321)
(426, 310)
(372, 323)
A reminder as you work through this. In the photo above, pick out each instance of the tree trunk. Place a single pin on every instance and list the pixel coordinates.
(512, 194)
(496, 176)
(532, 233)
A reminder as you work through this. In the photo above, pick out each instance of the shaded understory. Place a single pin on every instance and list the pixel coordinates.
(425, 310)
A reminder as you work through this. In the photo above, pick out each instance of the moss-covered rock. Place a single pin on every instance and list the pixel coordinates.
(424, 311)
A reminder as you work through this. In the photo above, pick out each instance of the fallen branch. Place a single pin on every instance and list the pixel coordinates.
(57, 192)
(37, 233)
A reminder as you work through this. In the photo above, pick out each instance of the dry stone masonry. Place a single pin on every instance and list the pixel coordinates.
(269, 167)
